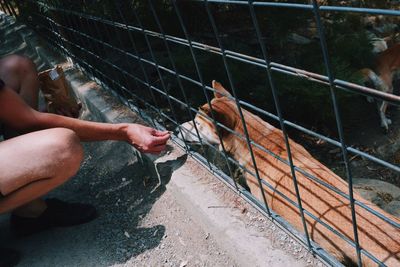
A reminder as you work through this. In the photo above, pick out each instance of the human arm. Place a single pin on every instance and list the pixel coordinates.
(19, 116)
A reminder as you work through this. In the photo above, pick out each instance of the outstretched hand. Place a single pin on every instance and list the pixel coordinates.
(146, 139)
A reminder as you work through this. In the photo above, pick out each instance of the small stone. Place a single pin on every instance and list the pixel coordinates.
(155, 232)
(183, 264)
(127, 234)
(123, 179)
(207, 235)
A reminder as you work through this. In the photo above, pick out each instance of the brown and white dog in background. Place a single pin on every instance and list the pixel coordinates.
(387, 65)
(375, 235)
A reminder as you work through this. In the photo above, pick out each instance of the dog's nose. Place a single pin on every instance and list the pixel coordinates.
(181, 131)
(186, 132)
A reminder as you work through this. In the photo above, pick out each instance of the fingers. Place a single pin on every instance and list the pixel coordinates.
(151, 141)
(159, 140)
(160, 133)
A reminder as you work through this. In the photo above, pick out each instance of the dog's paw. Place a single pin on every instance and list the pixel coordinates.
(385, 125)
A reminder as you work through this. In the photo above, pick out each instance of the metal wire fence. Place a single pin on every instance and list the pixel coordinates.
(116, 44)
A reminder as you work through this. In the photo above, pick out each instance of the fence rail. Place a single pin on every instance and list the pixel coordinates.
(89, 38)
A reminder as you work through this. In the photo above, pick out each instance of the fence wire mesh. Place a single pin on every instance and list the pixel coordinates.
(160, 56)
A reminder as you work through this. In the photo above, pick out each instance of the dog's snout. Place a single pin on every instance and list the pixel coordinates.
(176, 131)
(186, 132)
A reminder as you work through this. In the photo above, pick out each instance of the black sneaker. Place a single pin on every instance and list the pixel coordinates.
(57, 214)
(9, 257)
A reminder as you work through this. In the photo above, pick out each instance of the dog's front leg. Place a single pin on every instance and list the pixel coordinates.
(385, 122)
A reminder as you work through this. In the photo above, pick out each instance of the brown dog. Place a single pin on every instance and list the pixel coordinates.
(375, 235)
(387, 64)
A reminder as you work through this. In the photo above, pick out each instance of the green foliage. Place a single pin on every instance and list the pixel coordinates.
(348, 41)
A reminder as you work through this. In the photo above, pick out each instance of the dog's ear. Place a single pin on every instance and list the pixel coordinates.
(223, 114)
(220, 91)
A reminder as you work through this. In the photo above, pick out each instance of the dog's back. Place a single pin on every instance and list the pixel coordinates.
(387, 63)
(375, 235)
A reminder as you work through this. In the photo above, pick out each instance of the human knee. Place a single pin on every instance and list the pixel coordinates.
(69, 143)
(18, 65)
(67, 150)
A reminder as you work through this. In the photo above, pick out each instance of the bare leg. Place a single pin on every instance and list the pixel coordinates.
(23, 179)
(20, 74)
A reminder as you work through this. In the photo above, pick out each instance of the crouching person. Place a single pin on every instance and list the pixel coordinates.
(42, 150)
